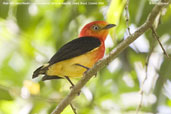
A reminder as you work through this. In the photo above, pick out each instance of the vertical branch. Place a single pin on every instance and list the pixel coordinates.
(127, 16)
(145, 78)
(141, 101)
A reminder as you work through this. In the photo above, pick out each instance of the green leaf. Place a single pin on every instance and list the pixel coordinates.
(5, 95)
(114, 13)
(165, 68)
(23, 17)
(4, 8)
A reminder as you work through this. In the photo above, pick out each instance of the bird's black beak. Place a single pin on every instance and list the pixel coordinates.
(109, 26)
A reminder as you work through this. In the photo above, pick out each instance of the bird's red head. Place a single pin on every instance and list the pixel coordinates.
(98, 29)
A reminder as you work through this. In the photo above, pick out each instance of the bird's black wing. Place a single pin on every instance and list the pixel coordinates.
(75, 48)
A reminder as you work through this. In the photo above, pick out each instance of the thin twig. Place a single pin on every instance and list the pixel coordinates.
(73, 108)
(127, 16)
(157, 38)
(113, 54)
(141, 101)
(145, 78)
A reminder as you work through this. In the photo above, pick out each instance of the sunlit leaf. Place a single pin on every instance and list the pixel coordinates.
(114, 13)
(33, 88)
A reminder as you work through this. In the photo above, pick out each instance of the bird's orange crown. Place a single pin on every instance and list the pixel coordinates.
(98, 29)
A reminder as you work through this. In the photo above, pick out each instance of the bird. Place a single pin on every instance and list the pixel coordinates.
(77, 56)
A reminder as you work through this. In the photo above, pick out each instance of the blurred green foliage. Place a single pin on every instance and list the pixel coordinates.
(31, 31)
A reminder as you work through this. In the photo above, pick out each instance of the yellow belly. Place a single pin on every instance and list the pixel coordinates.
(69, 67)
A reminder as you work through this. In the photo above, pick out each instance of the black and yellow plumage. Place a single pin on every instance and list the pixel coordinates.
(72, 50)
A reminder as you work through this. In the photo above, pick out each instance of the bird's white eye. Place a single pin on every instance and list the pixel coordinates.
(95, 27)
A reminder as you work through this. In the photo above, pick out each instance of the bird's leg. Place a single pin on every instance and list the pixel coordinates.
(73, 108)
(72, 84)
(85, 68)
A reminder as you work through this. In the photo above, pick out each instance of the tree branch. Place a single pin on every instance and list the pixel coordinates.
(114, 53)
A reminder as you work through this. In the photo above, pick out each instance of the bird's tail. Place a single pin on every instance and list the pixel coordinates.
(40, 70)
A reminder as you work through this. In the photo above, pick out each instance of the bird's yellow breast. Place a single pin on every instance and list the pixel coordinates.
(69, 67)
